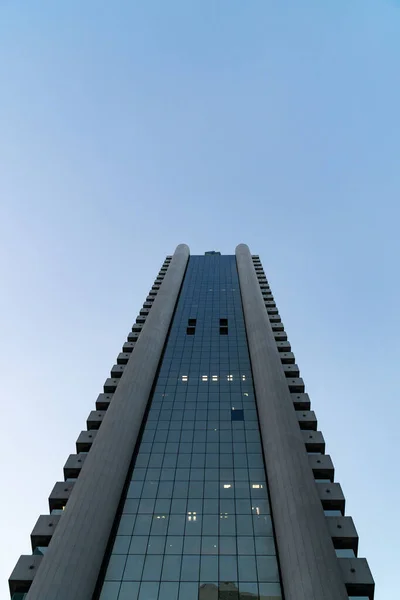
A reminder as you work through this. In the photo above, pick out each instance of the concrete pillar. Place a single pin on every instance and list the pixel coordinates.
(70, 568)
(310, 569)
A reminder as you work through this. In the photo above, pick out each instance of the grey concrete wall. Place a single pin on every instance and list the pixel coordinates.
(310, 569)
(70, 568)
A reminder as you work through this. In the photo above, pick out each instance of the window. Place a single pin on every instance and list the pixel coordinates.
(192, 322)
(237, 414)
(223, 331)
(190, 330)
(223, 322)
(345, 553)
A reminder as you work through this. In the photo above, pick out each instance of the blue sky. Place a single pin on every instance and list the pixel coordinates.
(128, 127)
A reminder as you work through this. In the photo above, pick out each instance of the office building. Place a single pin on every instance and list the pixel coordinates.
(202, 474)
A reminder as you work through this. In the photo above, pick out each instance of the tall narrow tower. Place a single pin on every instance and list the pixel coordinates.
(201, 474)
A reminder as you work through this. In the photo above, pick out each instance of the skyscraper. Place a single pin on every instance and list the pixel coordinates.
(202, 474)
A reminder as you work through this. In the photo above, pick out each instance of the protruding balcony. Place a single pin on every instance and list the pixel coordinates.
(95, 419)
(60, 494)
(43, 531)
(331, 495)
(322, 466)
(85, 440)
(357, 577)
(24, 573)
(301, 401)
(314, 441)
(307, 419)
(103, 401)
(73, 467)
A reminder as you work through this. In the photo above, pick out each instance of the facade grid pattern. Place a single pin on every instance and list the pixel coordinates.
(196, 521)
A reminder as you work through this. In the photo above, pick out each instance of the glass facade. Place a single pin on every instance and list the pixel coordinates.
(196, 521)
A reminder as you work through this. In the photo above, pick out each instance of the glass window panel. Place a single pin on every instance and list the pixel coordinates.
(133, 568)
(210, 506)
(152, 567)
(227, 545)
(129, 590)
(131, 505)
(210, 524)
(174, 544)
(171, 568)
(196, 489)
(193, 523)
(142, 525)
(162, 505)
(182, 474)
(115, 567)
(260, 507)
(190, 567)
(209, 544)
(248, 590)
(194, 505)
(243, 506)
(267, 568)
(240, 461)
(269, 591)
(209, 568)
(176, 525)
(168, 591)
(178, 506)
(227, 524)
(247, 568)
(212, 474)
(192, 544)
(257, 474)
(226, 460)
(155, 460)
(150, 489)
(148, 590)
(245, 545)
(184, 460)
(138, 544)
(244, 525)
(135, 489)
(126, 524)
(165, 489)
(146, 506)
(121, 544)
(227, 568)
(188, 590)
(262, 525)
(198, 460)
(156, 544)
(242, 489)
(109, 591)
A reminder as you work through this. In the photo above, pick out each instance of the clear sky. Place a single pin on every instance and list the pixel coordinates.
(128, 127)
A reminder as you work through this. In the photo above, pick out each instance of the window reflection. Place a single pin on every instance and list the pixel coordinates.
(196, 521)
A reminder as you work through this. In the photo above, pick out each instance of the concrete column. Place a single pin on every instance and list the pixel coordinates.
(70, 568)
(310, 569)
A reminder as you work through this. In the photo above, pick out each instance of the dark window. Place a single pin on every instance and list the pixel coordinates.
(223, 330)
(237, 415)
(192, 322)
(190, 330)
(223, 322)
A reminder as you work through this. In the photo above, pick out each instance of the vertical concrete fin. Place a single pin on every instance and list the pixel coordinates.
(70, 568)
(310, 569)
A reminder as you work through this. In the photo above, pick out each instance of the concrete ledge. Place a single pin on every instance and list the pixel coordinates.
(43, 530)
(24, 573)
(357, 577)
(343, 533)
